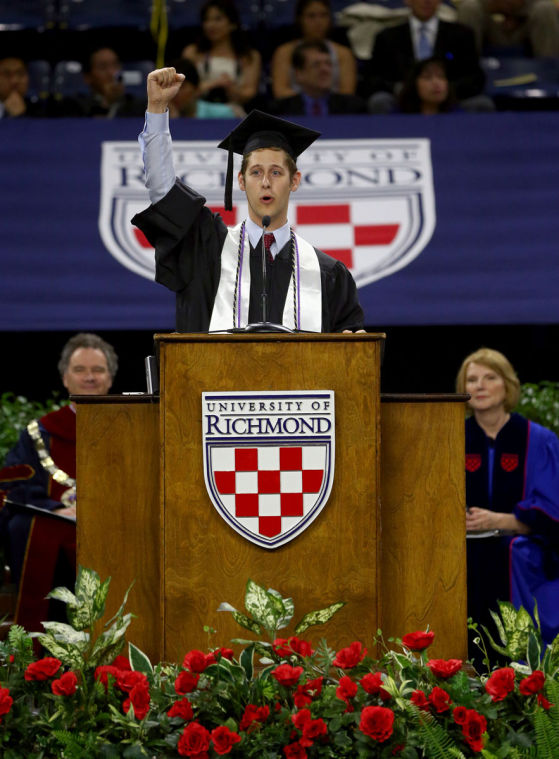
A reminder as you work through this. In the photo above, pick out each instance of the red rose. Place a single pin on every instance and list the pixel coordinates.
(139, 699)
(128, 679)
(294, 751)
(500, 684)
(196, 661)
(224, 653)
(346, 689)
(301, 718)
(305, 693)
(543, 702)
(194, 741)
(532, 684)
(372, 684)
(224, 739)
(312, 730)
(182, 709)
(444, 667)
(419, 698)
(473, 728)
(287, 675)
(103, 672)
(376, 722)
(459, 714)
(186, 682)
(350, 657)
(121, 662)
(6, 701)
(418, 640)
(42, 669)
(290, 646)
(440, 700)
(252, 714)
(66, 685)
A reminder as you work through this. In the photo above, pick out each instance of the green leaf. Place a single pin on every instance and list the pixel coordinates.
(224, 606)
(65, 595)
(533, 652)
(288, 609)
(67, 634)
(68, 655)
(120, 611)
(100, 598)
(138, 660)
(246, 661)
(246, 622)
(264, 607)
(318, 617)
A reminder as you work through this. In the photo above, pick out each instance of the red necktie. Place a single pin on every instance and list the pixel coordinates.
(268, 240)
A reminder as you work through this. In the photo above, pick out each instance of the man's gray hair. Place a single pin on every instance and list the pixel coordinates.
(88, 340)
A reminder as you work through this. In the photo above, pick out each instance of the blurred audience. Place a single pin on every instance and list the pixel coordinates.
(532, 26)
(107, 98)
(427, 89)
(424, 35)
(14, 91)
(229, 67)
(187, 102)
(312, 65)
(314, 21)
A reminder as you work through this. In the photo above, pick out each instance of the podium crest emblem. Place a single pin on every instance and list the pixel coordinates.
(269, 460)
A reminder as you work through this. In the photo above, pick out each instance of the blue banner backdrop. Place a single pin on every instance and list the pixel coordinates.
(491, 258)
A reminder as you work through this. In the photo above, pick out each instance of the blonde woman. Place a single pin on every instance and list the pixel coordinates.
(512, 494)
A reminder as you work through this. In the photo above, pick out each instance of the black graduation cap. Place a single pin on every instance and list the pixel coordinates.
(260, 130)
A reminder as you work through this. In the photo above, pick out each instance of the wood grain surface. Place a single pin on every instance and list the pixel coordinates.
(423, 564)
(335, 558)
(118, 522)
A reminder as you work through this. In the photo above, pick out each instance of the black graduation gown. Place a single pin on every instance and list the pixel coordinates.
(188, 239)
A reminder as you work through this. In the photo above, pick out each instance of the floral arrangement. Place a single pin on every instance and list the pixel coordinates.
(280, 697)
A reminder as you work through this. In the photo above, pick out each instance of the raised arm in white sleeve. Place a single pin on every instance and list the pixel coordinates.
(157, 155)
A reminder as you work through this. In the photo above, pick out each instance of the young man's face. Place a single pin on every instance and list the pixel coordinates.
(13, 77)
(268, 185)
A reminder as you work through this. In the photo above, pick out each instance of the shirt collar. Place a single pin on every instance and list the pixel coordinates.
(431, 26)
(281, 235)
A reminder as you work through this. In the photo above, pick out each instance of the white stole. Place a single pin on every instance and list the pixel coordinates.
(305, 314)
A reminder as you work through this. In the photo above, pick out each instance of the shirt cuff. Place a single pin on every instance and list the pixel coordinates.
(157, 123)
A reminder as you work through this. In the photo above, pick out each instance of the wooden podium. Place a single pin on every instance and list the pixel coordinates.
(391, 548)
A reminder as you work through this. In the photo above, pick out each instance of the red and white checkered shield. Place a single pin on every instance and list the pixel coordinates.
(269, 460)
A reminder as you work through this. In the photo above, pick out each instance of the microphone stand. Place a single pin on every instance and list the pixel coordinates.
(264, 325)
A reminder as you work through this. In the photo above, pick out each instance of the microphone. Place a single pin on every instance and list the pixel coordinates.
(264, 297)
(264, 325)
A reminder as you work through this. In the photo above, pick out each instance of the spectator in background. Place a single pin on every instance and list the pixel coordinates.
(513, 23)
(187, 102)
(40, 471)
(107, 98)
(312, 65)
(14, 86)
(229, 67)
(427, 89)
(397, 48)
(314, 20)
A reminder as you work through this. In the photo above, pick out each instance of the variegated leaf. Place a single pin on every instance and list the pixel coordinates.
(87, 584)
(67, 634)
(65, 595)
(265, 608)
(68, 655)
(100, 598)
(246, 622)
(224, 606)
(287, 611)
(318, 617)
(138, 660)
(246, 661)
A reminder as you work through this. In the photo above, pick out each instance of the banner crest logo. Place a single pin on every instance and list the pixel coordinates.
(368, 203)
